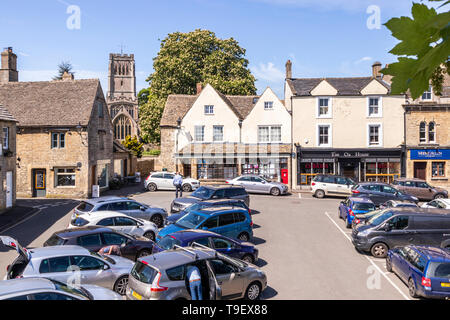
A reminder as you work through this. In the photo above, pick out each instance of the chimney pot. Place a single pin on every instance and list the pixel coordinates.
(199, 88)
(288, 69)
(376, 68)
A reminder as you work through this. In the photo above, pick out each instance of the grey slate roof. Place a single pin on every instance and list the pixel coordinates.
(344, 86)
(50, 103)
(5, 115)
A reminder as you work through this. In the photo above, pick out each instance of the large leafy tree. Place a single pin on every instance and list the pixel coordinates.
(186, 59)
(423, 51)
(63, 67)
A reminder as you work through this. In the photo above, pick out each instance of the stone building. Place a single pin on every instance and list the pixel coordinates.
(121, 97)
(64, 136)
(7, 159)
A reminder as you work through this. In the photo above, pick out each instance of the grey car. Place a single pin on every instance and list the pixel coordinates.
(130, 207)
(259, 184)
(48, 289)
(162, 276)
(69, 264)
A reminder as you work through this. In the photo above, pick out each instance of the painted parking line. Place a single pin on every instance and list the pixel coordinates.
(370, 260)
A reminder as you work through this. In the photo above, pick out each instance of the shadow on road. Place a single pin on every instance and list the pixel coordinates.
(257, 240)
(269, 293)
(261, 262)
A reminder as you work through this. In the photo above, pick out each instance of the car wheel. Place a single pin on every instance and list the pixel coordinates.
(379, 250)
(158, 220)
(412, 288)
(244, 236)
(152, 187)
(187, 187)
(439, 196)
(150, 235)
(121, 285)
(248, 258)
(388, 264)
(319, 194)
(253, 291)
(143, 253)
(275, 192)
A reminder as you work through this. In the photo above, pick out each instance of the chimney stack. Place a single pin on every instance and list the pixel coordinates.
(376, 67)
(288, 69)
(199, 88)
(67, 76)
(8, 70)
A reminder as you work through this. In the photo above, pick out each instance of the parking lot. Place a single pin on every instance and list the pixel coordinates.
(305, 249)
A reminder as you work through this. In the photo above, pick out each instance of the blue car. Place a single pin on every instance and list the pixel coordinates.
(353, 206)
(229, 222)
(242, 250)
(425, 269)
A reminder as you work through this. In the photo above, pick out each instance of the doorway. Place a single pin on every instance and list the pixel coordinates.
(420, 170)
(349, 169)
(39, 183)
(9, 189)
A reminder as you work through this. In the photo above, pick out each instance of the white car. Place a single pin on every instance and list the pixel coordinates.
(330, 185)
(438, 203)
(164, 181)
(117, 221)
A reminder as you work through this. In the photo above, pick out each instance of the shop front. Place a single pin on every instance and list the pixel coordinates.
(432, 165)
(381, 165)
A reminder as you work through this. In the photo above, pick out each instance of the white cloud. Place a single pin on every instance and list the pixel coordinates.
(268, 72)
(363, 59)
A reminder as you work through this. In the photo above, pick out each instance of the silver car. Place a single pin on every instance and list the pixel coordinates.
(259, 184)
(162, 276)
(130, 207)
(69, 264)
(47, 289)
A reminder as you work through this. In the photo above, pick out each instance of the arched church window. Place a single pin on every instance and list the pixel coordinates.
(122, 127)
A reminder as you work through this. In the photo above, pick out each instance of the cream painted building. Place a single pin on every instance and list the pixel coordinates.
(345, 126)
(216, 136)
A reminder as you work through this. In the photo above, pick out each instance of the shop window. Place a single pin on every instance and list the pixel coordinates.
(65, 177)
(438, 169)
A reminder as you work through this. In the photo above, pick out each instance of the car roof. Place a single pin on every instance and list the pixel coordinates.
(410, 179)
(418, 210)
(217, 210)
(374, 183)
(218, 201)
(95, 201)
(193, 234)
(360, 199)
(98, 215)
(76, 232)
(220, 186)
(17, 286)
(434, 253)
(53, 251)
(176, 257)
(331, 175)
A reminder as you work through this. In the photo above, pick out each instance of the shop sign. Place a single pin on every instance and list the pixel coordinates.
(430, 154)
(349, 154)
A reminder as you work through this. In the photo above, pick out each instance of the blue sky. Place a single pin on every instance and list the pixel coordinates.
(323, 38)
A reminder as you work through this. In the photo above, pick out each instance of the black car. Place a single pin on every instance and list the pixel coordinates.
(94, 238)
(394, 227)
(210, 193)
(380, 192)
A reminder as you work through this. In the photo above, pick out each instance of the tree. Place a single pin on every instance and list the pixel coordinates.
(423, 51)
(62, 68)
(186, 59)
(133, 144)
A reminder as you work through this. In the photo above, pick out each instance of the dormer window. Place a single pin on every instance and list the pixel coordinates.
(209, 109)
(426, 96)
(268, 105)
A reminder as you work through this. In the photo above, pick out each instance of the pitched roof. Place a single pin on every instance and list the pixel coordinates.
(50, 103)
(5, 115)
(344, 86)
(177, 105)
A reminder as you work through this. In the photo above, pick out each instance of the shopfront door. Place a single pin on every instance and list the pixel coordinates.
(39, 183)
(349, 168)
(420, 170)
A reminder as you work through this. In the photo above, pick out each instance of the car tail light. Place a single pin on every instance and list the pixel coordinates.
(313, 183)
(351, 213)
(357, 221)
(145, 262)
(226, 182)
(157, 287)
(426, 282)
(251, 223)
(7, 268)
(355, 191)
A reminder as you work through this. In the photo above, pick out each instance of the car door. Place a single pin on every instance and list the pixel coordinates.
(93, 271)
(92, 242)
(59, 269)
(244, 182)
(127, 249)
(260, 185)
(343, 205)
(373, 192)
(328, 184)
(400, 265)
(424, 191)
(399, 233)
(226, 226)
(167, 181)
(229, 278)
(225, 246)
(388, 193)
(211, 224)
(125, 225)
(342, 186)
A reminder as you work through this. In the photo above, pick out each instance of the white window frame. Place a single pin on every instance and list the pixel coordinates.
(380, 107)
(430, 91)
(268, 103)
(195, 133)
(64, 173)
(5, 138)
(270, 137)
(380, 135)
(209, 109)
(268, 134)
(329, 115)
(427, 131)
(330, 135)
(214, 135)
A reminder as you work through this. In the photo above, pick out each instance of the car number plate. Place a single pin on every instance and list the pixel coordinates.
(136, 295)
(445, 284)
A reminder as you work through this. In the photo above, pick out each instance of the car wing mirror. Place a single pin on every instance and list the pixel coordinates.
(142, 208)
(105, 267)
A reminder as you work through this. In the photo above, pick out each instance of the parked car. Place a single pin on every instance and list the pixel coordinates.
(232, 203)
(127, 206)
(437, 203)
(162, 276)
(380, 192)
(210, 193)
(119, 222)
(353, 206)
(241, 250)
(59, 263)
(48, 289)
(164, 181)
(330, 185)
(396, 227)
(398, 203)
(426, 270)
(258, 184)
(420, 188)
(233, 223)
(94, 238)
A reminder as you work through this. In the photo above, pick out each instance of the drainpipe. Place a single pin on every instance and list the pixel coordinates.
(291, 178)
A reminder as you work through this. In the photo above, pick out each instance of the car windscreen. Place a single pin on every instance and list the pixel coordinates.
(79, 222)
(203, 193)
(143, 273)
(55, 240)
(190, 220)
(380, 218)
(363, 206)
(168, 242)
(439, 270)
(85, 207)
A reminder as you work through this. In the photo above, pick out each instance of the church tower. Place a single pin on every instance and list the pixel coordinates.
(121, 97)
